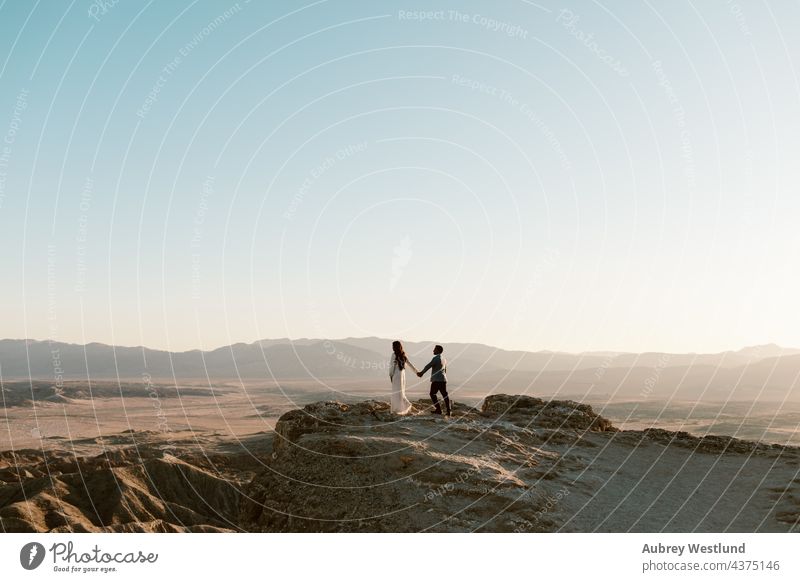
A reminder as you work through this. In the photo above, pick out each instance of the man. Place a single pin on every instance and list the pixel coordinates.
(438, 367)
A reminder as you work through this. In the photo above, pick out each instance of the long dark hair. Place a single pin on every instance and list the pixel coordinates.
(399, 354)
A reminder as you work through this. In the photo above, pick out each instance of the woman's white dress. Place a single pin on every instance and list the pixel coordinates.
(400, 404)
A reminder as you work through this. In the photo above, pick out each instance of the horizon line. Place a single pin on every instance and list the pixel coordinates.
(342, 339)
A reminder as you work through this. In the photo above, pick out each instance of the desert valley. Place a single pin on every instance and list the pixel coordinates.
(302, 440)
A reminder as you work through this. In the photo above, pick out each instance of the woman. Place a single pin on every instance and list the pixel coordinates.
(397, 374)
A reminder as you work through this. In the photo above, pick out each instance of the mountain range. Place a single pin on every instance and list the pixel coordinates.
(764, 373)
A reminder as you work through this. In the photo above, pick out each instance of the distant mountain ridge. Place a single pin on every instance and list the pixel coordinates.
(771, 367)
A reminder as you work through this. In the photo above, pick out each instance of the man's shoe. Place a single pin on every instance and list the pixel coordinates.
(436, 411)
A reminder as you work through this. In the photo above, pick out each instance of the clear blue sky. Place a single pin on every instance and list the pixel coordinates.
(565, 176)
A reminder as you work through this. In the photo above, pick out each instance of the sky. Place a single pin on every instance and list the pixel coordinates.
(531, 175)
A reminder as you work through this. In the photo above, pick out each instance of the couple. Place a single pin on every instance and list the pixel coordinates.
(397, 374)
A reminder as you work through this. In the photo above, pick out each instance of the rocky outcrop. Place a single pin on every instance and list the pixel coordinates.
(516, 464)
(712, 444)
(559, 414)
(358, 467)
(513, 464)
(340, 467)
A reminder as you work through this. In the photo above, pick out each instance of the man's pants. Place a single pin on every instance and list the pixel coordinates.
(440, 387)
